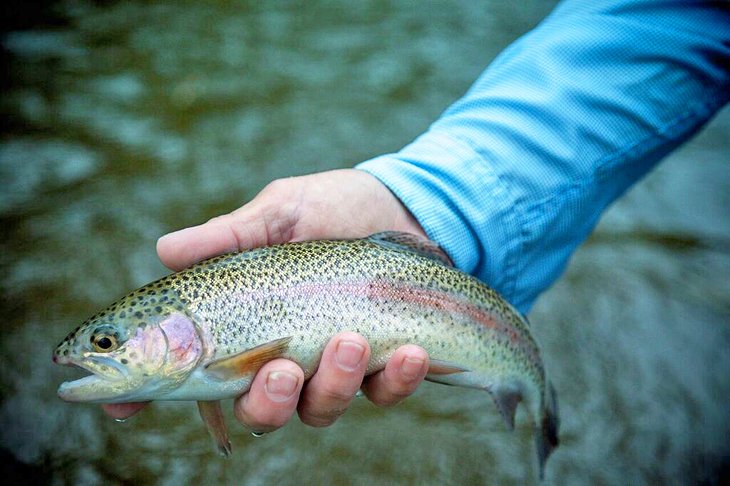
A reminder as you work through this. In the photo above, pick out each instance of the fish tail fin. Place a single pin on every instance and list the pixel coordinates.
(546, 438)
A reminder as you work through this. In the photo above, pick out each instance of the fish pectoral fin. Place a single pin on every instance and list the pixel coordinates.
(212, 415)
(412, 243)
(247, 362)
(506, 397)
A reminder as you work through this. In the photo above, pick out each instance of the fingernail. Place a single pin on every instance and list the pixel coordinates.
(281, 385)
(412, 368)
(349, 354)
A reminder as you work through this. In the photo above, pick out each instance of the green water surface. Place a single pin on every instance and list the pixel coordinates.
(125, 120)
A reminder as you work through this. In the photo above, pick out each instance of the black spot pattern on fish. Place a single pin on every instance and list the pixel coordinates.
(309, 291)
(312, 290)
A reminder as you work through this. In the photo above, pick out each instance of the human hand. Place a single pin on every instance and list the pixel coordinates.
(329, 205)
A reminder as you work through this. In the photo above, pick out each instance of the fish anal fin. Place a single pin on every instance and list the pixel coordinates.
(507, 397)
(247, 362)
(440, 367)
(212, 415)
(449, 373)
(413, 243)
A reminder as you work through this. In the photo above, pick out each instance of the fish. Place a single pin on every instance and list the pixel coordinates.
(201, 334)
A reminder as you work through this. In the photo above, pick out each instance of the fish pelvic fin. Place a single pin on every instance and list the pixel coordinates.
(212, 415)
(249, 361)
(415, 244)
(546, 437)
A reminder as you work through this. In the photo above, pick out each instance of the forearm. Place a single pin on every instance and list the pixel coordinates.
(516, 174)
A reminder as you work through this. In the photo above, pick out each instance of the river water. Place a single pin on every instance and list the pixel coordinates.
(125, 120)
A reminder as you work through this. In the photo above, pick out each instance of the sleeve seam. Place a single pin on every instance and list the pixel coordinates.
(605, 164)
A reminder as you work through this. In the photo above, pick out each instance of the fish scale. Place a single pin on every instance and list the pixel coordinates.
(202, 333)
(364, 263)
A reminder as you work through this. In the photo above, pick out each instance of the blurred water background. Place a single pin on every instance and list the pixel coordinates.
(124, 120)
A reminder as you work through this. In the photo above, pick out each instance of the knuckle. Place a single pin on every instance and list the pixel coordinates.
(260, 418)
(337, 395)
(221, 218)
(385, 392)
(322, 417)
(400, 391)
(272, 421)
(277, 186)
(382, 401)
(262, 424)
(389, 397)
(265, 425)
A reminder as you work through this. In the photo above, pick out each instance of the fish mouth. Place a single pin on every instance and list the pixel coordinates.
(72, 391)
(104, 385)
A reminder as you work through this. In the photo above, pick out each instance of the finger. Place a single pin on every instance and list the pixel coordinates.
(272, 398)
(333, 386)
(122, 411)
(403, 373)
(220, 235)
(268, 219)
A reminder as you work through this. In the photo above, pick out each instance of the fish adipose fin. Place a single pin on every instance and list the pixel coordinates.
(410, 242)
(546, 437)
(248, 362)
(212, 416)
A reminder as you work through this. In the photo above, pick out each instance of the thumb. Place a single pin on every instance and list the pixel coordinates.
(222, 234)
(268, 219)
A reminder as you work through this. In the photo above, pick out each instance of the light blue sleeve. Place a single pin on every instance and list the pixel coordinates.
(514, 176)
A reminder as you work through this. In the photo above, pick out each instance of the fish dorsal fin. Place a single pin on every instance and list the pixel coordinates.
(415, 244)
(247, 362)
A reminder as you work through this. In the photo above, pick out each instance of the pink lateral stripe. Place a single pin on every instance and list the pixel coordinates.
(434, 299)
(445, 302)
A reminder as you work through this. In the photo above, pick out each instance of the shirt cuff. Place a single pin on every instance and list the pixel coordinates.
(460, 203)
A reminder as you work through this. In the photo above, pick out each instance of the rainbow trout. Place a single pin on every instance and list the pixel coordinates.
(202, 333)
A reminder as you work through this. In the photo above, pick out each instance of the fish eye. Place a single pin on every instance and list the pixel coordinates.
(104, 343)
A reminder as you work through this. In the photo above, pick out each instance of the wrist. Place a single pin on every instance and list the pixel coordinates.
(397, 217)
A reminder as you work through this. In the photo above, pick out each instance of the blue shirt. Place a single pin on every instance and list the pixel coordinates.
(514, 175)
